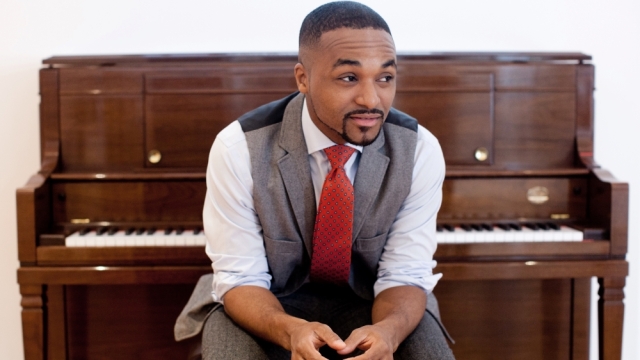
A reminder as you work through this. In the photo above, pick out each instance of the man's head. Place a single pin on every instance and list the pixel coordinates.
(347, 70)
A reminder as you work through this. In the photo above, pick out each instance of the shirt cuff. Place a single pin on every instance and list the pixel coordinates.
(418, 274)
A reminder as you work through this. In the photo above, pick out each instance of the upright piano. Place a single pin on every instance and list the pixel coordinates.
(110, 236)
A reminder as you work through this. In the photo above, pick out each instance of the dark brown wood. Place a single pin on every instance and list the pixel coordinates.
(56, 323)
(111, 60)
(101, 132)
(33, 334)
(507, 319)
(128, 201)
(580, 314)
(33, 216)
(122, 275)
(611, 314)
(125, 321)
(532, 270)
(584, 114)
(102, 116)
(62, 255)
(506, 198)
(518, 251)
(49, 120)
(610, 208)
(170, 119)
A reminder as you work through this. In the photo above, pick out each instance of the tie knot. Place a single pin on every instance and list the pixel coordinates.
(338, 155)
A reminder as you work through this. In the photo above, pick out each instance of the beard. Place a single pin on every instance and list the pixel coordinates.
(365, 141)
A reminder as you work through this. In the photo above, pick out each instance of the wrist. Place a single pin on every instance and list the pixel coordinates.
(289, 328)
(388, 332)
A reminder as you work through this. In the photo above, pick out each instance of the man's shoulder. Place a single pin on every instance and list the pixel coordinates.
(398, 118)
(265, 115)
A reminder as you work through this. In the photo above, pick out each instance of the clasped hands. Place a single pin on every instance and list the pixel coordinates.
(376, 342)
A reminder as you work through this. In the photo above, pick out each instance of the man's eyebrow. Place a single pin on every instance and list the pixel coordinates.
(347, 62)
(391, 62)
(343, 62)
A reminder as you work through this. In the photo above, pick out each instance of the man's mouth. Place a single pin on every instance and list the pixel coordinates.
(365, 118)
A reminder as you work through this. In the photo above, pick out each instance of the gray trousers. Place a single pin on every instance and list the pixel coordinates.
(337, 307)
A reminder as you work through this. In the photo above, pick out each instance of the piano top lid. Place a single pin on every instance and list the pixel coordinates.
(151, 59)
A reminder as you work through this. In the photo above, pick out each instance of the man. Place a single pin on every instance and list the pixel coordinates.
(321, 208)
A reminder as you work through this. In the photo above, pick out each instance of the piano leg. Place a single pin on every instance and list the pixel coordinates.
(33, 321)
(610, 317)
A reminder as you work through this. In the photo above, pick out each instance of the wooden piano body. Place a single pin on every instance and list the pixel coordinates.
(125, 141)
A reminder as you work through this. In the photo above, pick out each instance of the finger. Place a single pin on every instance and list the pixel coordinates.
(354, 341)
(330, 338)
(309, 354)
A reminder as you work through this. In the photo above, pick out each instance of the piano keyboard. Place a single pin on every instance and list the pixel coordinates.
(113, 237)
(445, 234)
(483, 233)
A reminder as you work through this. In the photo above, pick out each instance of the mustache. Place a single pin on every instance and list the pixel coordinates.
(363, 111)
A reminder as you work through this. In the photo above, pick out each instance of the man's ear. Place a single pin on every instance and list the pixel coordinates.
(302, 78)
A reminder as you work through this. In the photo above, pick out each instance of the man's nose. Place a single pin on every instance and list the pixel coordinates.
(368, 95)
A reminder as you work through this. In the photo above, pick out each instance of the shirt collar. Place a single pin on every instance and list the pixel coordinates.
(316, 140)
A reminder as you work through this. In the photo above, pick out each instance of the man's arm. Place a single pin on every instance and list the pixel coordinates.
(259, 312)
(396, 313)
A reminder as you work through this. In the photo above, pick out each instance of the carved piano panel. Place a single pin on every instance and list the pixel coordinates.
(109, 230)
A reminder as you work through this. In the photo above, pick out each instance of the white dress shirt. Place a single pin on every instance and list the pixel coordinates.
(234, 234)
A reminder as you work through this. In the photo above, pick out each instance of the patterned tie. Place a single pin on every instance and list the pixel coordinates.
(331, 259)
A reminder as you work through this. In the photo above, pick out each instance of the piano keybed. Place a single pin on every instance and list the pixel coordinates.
(506, 232)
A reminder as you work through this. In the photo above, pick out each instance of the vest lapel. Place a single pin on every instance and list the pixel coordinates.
(371, 172)
(295, 172)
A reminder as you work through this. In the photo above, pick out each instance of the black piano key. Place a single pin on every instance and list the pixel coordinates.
(448, 227)
(151, 231)
(532, 226)
(466, 227)
(129, 231)
(476, 227)
(487, 227)
(504, 227)
(140, 231)
(553, 226)
(179, 231)
(168, 231)
(84, 231)
(112, 231)
(439, 228)
(543, 226)
(515, 226)
(101, 230)
(197, 231)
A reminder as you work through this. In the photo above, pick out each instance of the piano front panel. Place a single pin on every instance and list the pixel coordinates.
(507, 198)
(462, 121)
(182, 127)
(128, 201)
(535, 129)
(101, 132)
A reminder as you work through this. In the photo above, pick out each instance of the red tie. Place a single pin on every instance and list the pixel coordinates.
(331, 257)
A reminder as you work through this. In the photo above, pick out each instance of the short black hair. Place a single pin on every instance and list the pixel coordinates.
(336, 15)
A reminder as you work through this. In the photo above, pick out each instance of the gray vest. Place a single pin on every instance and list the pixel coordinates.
(285, 202)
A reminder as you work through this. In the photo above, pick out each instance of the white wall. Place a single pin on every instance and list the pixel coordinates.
(31, 30)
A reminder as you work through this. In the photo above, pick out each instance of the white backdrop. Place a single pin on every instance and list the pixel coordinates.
(31, 30)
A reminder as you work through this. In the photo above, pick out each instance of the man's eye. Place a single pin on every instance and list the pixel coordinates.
(349, 78)
(387, 78)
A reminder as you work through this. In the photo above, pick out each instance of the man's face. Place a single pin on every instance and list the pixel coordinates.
(349, 80)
